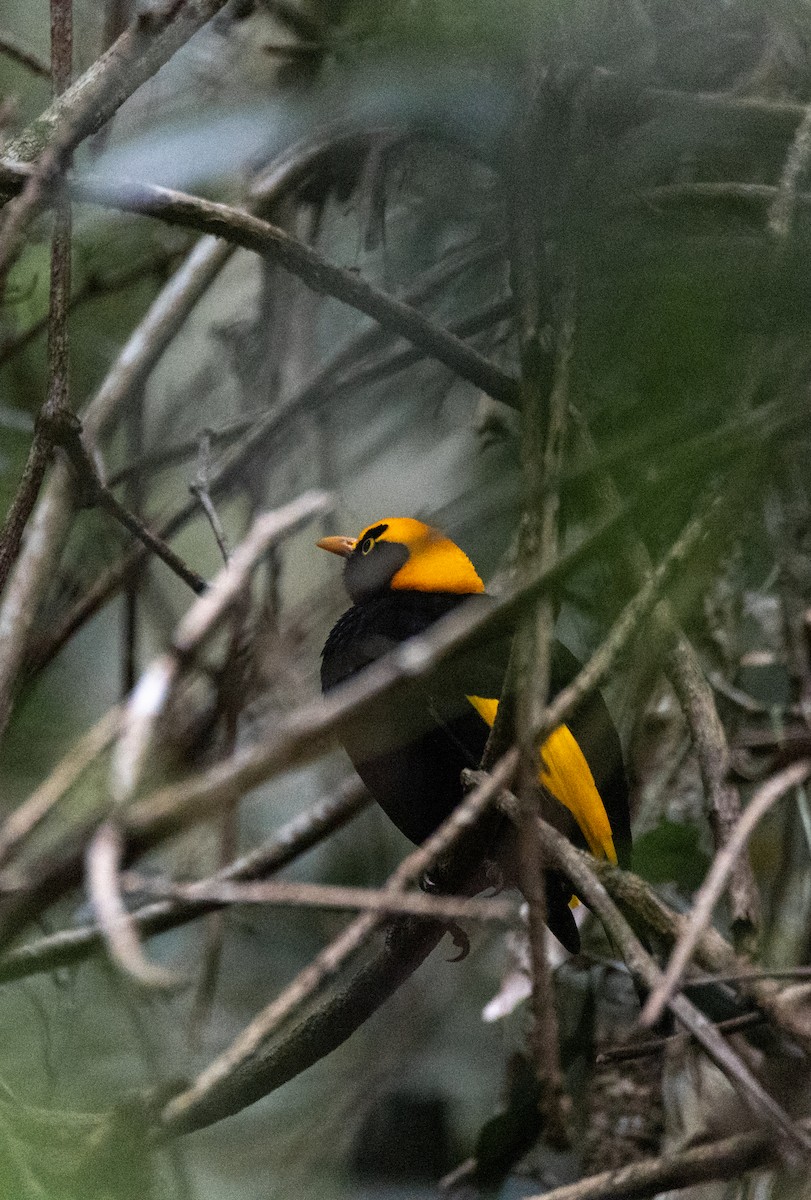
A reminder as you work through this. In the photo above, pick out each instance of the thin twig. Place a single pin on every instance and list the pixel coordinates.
(201, 490)
(641, 1049)
(710, 891)
(67, 434)
(17, 50)
(292, 840)
(104, 857)
(722, 1160)
(21, 823)
(544, 420)
(723, 798)
(56, 399)
(329, 896)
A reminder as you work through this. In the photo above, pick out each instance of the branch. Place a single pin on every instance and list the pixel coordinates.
(74, 945)
(24, 819)
(104, 856)
(143, 48)
(67, 433)
(710, 891)
(56, 399)
(224, 894)
(712, 1161)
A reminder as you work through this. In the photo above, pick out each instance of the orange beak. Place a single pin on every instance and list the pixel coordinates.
(338, 545)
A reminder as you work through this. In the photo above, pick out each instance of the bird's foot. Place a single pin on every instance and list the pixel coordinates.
(460, 940)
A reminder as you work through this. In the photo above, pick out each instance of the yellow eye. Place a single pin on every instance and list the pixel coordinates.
(367, 545)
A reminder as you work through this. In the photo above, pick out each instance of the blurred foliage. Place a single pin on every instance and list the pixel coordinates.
(691, 350)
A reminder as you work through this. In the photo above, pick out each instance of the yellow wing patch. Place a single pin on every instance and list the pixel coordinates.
(567, 775)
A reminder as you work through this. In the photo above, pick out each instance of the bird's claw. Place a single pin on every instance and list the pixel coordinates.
(460, 940)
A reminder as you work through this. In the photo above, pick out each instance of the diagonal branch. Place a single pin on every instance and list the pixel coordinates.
(710, 891)
(76, 944)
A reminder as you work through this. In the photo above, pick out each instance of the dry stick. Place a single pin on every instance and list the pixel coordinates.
(631, 1050)
(143, 48)
(67, 434)
(754, 194)
(714, 759)
(140, 716)
(24, 820)
(711, 889)
(73, 945)
(577, 867)
(104, 855)
(712, 1161)
(214, 1087)
(230, 701)
(330, 896)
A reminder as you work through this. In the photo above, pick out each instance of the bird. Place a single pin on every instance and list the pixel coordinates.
(402, 575)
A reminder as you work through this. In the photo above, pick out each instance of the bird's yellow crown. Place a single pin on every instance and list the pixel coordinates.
(432, 562)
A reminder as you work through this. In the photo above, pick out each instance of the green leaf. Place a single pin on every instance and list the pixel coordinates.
(671, 853)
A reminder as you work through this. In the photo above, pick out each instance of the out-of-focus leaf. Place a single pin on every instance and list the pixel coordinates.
(671, 853)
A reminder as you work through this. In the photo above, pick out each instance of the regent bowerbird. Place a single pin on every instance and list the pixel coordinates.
(402, 575)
